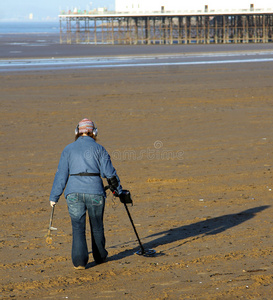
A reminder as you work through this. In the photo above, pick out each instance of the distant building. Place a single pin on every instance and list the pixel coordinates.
(192, 5)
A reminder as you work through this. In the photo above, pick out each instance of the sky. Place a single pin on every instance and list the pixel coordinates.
(48, 10)
(42, 10)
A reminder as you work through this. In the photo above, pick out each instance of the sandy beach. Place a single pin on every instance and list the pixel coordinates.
(194, 146)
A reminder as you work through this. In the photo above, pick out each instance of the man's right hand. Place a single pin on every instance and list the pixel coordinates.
(52, 203)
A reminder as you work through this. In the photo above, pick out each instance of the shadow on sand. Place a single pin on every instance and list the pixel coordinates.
(208, 227)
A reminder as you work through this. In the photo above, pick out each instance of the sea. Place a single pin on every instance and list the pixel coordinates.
(29, 27)
(20, 41)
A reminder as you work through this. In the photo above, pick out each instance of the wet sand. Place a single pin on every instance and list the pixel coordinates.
(48, 45)
(193, 144)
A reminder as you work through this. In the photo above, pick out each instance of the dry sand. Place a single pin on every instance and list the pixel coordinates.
(193, 145)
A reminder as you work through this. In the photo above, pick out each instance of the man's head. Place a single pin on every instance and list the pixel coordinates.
(86, 127)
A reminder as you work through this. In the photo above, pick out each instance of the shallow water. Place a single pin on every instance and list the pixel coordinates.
(29, 27)
(134, 61)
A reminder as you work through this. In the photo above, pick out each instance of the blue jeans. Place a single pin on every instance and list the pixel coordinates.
(77, 204)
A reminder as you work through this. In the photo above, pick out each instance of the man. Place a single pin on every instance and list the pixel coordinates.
(82, 165)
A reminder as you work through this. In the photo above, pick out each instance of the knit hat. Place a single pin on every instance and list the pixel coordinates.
(86, 126)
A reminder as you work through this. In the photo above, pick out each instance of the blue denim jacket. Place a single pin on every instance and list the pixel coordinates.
(83, 155)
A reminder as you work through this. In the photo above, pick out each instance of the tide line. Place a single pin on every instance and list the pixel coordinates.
(60, 64)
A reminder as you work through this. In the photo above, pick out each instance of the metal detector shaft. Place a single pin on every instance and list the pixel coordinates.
(129, 215)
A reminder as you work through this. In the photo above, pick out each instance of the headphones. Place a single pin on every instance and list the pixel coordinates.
(94, 131)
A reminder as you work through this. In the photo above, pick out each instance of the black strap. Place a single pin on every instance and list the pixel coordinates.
(85, 174)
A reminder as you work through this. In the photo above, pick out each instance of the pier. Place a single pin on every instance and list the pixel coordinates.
(167, 28)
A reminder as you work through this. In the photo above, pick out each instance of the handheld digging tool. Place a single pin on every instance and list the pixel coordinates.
(125, 198)
(50, 228)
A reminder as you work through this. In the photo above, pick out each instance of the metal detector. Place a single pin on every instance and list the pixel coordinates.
(125, 198)
(141, 251)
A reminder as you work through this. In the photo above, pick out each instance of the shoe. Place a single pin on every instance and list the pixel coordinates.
(79, 268)
(101, 261)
